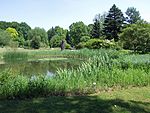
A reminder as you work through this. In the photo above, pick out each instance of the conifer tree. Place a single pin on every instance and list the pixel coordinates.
(113, 23)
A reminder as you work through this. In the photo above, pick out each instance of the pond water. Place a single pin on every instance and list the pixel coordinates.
(37, 67)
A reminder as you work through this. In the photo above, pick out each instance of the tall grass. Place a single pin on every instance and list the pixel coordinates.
(101, 70)
(11, 56)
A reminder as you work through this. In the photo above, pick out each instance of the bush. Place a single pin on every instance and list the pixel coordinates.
(67, 46)
(80, 45)
(84, 38)
(97, 44)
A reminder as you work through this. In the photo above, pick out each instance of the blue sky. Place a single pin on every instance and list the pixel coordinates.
(48, 13)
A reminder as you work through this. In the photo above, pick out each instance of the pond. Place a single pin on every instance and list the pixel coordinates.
(41, 66)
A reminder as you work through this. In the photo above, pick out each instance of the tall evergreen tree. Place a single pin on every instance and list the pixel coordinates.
(113, 23)
(132, 15)
(96, 32)
(98, 25)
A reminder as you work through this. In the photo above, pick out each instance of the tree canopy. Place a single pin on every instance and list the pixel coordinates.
(133, 15)
(77, 30)
(113, 23)
(136, 37)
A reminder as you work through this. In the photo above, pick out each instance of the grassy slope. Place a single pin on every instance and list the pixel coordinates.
(133, 100)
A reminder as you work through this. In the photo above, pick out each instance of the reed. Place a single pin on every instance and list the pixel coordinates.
(101, 70)
(11, 56)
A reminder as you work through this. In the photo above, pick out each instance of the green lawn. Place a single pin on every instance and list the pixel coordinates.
(132, 100)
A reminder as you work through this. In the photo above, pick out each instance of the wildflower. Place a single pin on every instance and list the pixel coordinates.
(94, 83)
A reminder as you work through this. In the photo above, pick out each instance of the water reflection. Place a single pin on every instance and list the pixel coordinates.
(35, 68)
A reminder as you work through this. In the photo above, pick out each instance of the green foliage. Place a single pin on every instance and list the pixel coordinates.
(113, 23)
(13, 33)
(101, 70)
(12, 56)
(133, 15)
(35, 42)
(21, 41)
(38, 37)
(14, 44)
(56, 31)
(69, 40)
(51, 33)
(77, 30)
(90, 29)
(67, 46)
(4, 38)
(97, 44)
(22, 28)
(81, 45)
(56, 40)
(97, 31)
(136, 37)
(98, 26)
(27, 44)
(84, 38)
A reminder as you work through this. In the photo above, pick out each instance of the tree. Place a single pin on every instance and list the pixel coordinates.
(113, 23)
(60, 31)
(90, 29)
(13, 33)
(35, 42)
(69, 39)
(4, 25)
(96, 32)
(132, 15)
(136, 37)
(98, 25)
(51, 33)
(40, 35)
(77, 30)
(23, 30)
(56, 31)
(4, 38)
(56, 40)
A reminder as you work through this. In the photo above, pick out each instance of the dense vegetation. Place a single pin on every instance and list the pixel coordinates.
(109, 47)
(109, 30)
(102, 69)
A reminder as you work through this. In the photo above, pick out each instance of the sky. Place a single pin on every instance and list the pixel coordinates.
(48, 13)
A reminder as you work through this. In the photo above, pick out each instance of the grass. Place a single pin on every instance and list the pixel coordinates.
(103, 69)
(111, 82)
(12, 56)
(132, 100)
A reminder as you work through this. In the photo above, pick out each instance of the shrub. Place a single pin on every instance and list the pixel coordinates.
(80, 45)
(67, 46)
(97, 44)
(84, 38)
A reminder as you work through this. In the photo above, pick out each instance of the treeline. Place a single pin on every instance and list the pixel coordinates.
(109, 30)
